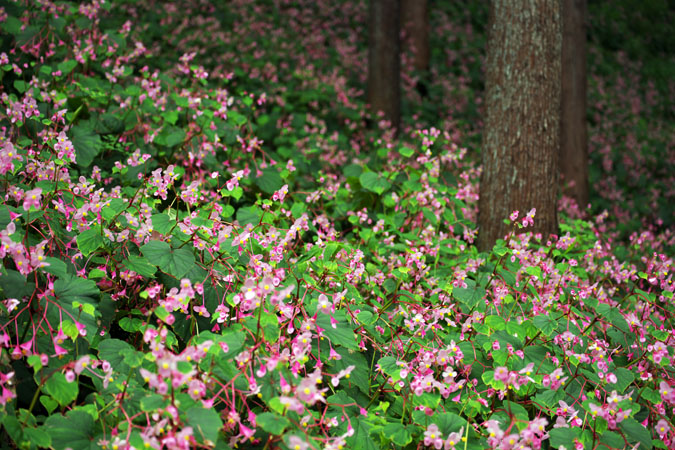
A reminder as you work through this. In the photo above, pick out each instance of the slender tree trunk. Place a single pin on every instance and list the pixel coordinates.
(415, 22)
(384, 64)
(522, 128)
(573, 135)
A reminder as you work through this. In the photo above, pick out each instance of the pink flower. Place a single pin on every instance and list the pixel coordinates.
(295, 443)
(82, 364)
(280, 194)
(501, 374)
(453, 440)
(662, 427)
(529, 218)
(433, 436)
(32, 198)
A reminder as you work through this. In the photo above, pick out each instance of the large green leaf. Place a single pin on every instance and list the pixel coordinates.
(342, 334)
(389, 367)
(545, 324)
(471, 295)
(374, 183)
(448, 422)
(60, 389)
(563, 437)
(171, 137)
(140, 265)
(361, 438)
(89, 241)
(75, 430)
(113, 350)
(162, 223)
(71, 288)
(397, 433)
(176, 262)
(636, 433)
(205, 423)
(248, 215)
(272, 423)
(87, 145)
(269, 181)
(56, 267)
(624, 378)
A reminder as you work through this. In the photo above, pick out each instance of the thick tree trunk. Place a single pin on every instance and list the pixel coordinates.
(522, 125)
(415, 22)
(573, 136)
(384, 60)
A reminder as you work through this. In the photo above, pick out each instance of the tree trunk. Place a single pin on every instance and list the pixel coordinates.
(573, 136)
(384, 64)
(522, 126)
(415, 22)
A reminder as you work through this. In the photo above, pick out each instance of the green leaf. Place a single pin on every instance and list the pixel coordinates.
(272, 423)
(20, 86)
(66, 66)
(564, 436)
(153, 402)
(389, 367)
(545, 324)
(269, 181)
(624, 378)
(162, 223)
(49, 403)
(406, 151)
(171, 137)
(612, 440)
(72, 288)
(342, 334)
(89, 241)
(38, 437)
(634, 433)
(471, 295)
(56, 267)
(205, 422)
(140, 265)
(61, 390)
(113, 208)
(397, 433)
(448, 422)
(75, 430)
(247, 215)
(177, 262)
(374, 183)
(361, 438)
(359, 375)
(87, 145)
(111, 350)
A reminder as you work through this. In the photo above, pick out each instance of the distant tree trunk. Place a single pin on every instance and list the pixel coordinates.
(522, 125)
(384, 60)
(415, 22)
(573, 135)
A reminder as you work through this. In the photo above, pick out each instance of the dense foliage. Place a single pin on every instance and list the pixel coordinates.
(205, 245)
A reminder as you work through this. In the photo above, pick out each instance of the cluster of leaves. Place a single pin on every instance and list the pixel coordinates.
(189, 261)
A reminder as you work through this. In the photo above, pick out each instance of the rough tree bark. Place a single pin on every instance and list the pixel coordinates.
(384, 60)
(522, 125)
(415, 22)
(573, 135)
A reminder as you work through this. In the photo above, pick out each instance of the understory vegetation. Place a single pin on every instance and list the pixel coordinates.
(209, 242)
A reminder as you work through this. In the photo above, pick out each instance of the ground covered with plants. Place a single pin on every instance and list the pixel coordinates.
(207, 241)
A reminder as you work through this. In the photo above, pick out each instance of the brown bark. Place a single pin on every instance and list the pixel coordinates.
(415, 22)
(384, 60)
(522, 124)
(573, 135)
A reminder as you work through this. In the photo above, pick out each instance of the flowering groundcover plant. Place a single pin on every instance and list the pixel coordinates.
(170, 280)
